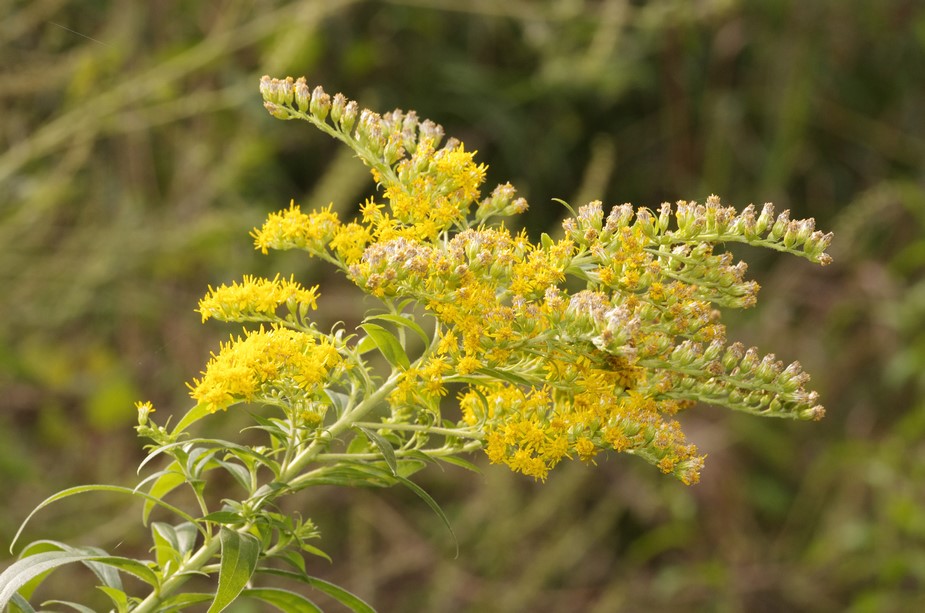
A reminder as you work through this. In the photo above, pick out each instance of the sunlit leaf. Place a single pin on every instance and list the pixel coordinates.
(388, 345)
(283, 600)
(400, 320)
(239, 559)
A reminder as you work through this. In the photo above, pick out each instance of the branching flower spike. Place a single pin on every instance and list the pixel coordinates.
(556, 349)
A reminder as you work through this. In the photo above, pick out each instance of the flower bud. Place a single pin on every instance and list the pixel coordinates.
(338, 104)
(320, 103)
(302, 94)
(664, 217)
(285, 91)
(646, 221)
(745, 222)
(266, 87)
(349, 116)
(276, 110)
(765, 219)
(780, 226)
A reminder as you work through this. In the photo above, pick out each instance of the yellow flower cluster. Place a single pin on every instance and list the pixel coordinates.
(256, 299)
(263, 364)
(552, 370)
(293, 229)
(531, 431)
(440, 188)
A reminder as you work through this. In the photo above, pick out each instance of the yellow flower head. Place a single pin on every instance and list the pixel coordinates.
(247, 368)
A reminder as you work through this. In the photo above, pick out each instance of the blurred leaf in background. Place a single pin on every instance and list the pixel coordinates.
(135, 157)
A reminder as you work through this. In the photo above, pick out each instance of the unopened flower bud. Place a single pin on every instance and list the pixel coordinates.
(338, 104)
(780, 226)
(285, 90)
(276, 110)
(765, 219)
(646, 221)
(320, 103)
(266, 88)
(349, 116)
(664, 217)
(302, 94)
(816, 413)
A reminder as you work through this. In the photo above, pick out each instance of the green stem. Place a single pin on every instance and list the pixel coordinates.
(419, 428)
(434, 453)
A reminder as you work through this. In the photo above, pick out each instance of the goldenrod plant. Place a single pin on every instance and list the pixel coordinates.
(541, 351)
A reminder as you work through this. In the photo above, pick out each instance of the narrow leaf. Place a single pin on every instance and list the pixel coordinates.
(365, 345)
(182, 601)
(21, 571)
(239, 559)
(506, 376)
(411, 485)
(192, 416)
(81, 489)
(388, 345)
(352, 601)
(457, 461)
(284, 600)
(224, 517)
(72, 605)
(407, 322)
(385, 448)
(118, 598)
(18, 604)
(166, 483)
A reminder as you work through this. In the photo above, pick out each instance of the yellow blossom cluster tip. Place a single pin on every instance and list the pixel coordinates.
(257, 299)
(262, 364)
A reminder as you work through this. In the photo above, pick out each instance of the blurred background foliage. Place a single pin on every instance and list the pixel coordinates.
(135, 156)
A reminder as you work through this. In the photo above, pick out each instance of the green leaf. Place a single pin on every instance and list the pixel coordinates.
(224, 517)
(81, 489)
(506, 376)
(388, 345)
(373, 470)
(283, 600)
(352, 601)
(135, 568)
(20, 572)
(410, 466)
(167, 482)
(182, 601)
(316, 552)
(385, 448)
(118, 598)
(171, 543)
(365, 345)
(73, 605)
(340, 400)
(457, 461)
(239, 559)
(406, 322)
(18, 604)
(192, 416)
(238, 472)
(165, 545)
(431, 503)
